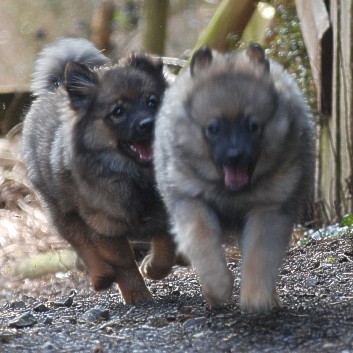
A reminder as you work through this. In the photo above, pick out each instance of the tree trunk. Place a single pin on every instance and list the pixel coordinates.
(155, 25)
(102, 25)
(231, 18)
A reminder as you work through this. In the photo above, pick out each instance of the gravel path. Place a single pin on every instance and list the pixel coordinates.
(65, 315)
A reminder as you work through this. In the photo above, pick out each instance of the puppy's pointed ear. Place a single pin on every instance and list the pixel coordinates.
(147, 63)
(80, 83)
(256, 54)
(200, 60)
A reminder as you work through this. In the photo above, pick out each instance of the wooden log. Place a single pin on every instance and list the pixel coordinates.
(331, 54)
(102, 25)
(315, 24)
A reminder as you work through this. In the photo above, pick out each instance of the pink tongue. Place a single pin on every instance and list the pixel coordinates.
(235, 177)
(145, 151)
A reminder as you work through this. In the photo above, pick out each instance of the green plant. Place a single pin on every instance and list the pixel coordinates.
(347, 220)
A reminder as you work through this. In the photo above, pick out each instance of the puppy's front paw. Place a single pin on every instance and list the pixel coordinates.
(218, 287)
(138, 297)
(257, 300)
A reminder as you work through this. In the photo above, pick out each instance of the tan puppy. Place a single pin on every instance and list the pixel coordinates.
(234, 157)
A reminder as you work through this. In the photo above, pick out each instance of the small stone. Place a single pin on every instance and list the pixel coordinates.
(73, 293)
(98, 349)
(329, 345)
(24, 320)
(64, 302)
(40, 308)
(98, 313)
(7, 336)
(48, 320)
(70, 319)
(176, 293)
(18, 305)
(197, 322)
(159, 322)
(170, 318)
(48, 346)
(311, 282)
(201, 334)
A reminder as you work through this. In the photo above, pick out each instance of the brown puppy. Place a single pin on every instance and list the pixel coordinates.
(234, 157)
(87, 144)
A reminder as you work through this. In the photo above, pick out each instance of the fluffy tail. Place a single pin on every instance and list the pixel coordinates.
(50, 65)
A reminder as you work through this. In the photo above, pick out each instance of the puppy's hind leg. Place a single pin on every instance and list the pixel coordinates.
(266, 237)
(108, 259)
(198, 237)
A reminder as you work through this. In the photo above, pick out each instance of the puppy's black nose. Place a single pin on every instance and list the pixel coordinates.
(145, 126)
(234, 156)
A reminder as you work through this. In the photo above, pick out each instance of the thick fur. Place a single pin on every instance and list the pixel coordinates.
(234, 157)
(87, 146)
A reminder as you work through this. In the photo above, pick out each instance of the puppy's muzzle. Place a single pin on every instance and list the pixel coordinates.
(237, 168)
(145, 126)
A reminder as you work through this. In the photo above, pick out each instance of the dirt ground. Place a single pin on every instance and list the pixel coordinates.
(315, 287)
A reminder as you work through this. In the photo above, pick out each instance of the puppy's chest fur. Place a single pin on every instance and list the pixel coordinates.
(233, 209)
(231, 221)
(112, 203)
(107, 199)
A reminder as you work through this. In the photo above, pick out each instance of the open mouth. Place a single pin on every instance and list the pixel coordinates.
(236, 178)
(140, 150)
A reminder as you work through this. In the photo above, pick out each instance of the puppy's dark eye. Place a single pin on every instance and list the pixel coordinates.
(118, 114)
(118, 111)
(152, 102)
(213, 128)
(252, 126)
